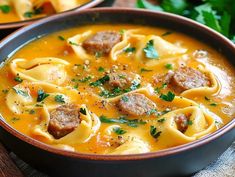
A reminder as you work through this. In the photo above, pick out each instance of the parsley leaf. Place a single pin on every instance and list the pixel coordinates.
(168, 97)
(169, 66)
(21, 92)
(59, 99)
(145, 70)
(119, 131)
(18, 79)
(154, 133)
(122, 120)
(5, 9)
(100, 81)
(41, 95)
(83, 111)
(61, 38)
(150, 51)
(130, 49)
(101, 69)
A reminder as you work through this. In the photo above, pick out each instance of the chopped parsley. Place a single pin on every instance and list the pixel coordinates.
(18, 79)
(21, 92)
(125, 99)
(119, 131)
(167, 33)
(122, 31)
(100, 81)
(152, 111)
(101, 69)
(168, 97)
(190, 122)
(30, 14)
(59, 99)
(213, 104)
(85, 79)
(129, 50)
(83, 111)
(122, 120)
(150, 51)
(154, 133)
(135, 85)
(5, 9)
(73, 43)
(61, 38)
(98, 54)
(161, 120)
(145, 70)
(32, 111)
(14, 119)
(41, 95)
(169, 66)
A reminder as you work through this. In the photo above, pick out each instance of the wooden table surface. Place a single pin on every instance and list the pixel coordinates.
(8, 166)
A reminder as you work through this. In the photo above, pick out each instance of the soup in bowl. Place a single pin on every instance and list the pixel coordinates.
(117, 89)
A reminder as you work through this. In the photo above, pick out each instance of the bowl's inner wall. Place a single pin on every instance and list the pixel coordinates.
(113, 17)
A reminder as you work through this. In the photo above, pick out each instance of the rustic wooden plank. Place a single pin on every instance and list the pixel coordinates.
(8, 168)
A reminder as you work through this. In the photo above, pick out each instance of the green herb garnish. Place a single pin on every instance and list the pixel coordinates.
(190, 122)
(83, 111)
(21, 92)
(73, 43)
(61, 38)
(154, 133)
(101, 69)
(161, 120)
(125, 99)
(169, 66)
(5, 9)
(59, 99)
(168, 97)
(122, 120)
(41, 95)
(100, 81)
(119, 131)
(150, 51)
(145, 70)
(213, 104)
(129, 50)
(18, 79)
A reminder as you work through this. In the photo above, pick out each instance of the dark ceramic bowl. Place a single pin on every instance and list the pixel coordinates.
(178, 161)
(7, 28)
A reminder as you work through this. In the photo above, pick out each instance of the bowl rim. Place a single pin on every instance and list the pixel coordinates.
(18, 24)
(98, 157)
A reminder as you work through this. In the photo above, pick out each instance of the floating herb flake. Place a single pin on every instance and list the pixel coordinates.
(150, 51)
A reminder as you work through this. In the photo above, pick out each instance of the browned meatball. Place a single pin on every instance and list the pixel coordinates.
(186, 78)
(63, 120)
(101, 42)
(122, 79)
(181, 121)
(135, 104)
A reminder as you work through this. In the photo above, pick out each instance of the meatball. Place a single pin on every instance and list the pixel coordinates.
(63, 120)
(101, 42)
(122, 79)
(186, 78)
(181, 121)
(135, 104)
